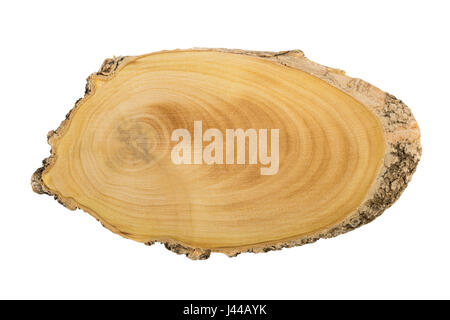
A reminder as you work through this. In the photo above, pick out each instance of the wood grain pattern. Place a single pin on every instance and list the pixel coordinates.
(346, 151)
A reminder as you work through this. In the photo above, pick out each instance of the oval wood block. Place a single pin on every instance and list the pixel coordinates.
(214, 150)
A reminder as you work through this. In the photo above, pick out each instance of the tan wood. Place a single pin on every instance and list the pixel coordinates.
(346, 151)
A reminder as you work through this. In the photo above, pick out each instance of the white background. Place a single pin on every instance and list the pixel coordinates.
(48, 48)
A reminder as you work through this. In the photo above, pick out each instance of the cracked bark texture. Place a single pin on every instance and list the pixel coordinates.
(403, 150)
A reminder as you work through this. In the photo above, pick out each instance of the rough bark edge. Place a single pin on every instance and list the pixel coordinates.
(403, 150)
(108, 68)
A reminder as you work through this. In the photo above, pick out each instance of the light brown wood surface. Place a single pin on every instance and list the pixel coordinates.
(346, 150)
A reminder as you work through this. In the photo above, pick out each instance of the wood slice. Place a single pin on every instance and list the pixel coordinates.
(212, 150)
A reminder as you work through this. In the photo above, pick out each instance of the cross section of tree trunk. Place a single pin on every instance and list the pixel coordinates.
(212, 150)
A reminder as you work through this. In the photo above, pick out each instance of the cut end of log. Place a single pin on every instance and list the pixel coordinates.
(341, 151)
